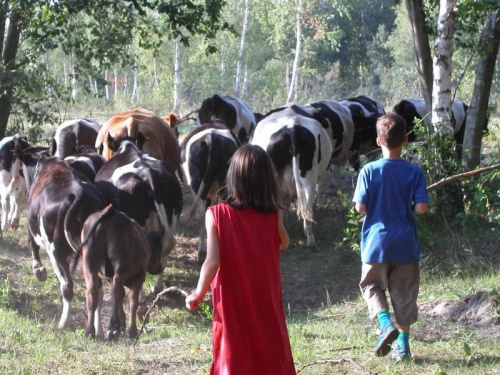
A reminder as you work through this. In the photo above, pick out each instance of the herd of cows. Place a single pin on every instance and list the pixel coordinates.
(112, 196)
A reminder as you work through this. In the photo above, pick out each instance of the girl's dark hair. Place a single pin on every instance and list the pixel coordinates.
(252, 181)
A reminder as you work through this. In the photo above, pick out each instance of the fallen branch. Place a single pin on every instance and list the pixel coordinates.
(155, 302)
(447, 180)
(337, 361)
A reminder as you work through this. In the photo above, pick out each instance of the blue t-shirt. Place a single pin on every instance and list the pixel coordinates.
(389, 188)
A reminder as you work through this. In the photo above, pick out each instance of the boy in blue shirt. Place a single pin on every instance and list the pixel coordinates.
(388, 191)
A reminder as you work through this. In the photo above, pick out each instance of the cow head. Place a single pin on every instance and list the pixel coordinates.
(172, 121)
(114, 143)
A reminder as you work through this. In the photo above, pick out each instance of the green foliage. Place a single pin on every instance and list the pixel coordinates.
(351, 233)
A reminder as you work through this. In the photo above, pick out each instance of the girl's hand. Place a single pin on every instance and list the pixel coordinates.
(193, 301)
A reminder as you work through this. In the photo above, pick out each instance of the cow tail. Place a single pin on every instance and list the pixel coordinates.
(197, 198)
(302, 208)
(78, 252)
(72, 201)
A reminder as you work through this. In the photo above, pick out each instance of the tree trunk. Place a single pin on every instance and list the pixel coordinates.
(9, 62)
(177, 72)
(421, 48)
(242, 47)
(106, 88)
(135, 90)
(443, 52)
(476, 114)
(292, 92)
(74, 84)
(115, 73)
(155, 74)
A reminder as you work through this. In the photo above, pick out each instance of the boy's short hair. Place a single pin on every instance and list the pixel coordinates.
(391, 130)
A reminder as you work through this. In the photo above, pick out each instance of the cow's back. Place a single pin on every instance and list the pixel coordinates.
(161, 142)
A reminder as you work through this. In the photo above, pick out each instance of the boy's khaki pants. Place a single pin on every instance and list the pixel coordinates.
(401, 280)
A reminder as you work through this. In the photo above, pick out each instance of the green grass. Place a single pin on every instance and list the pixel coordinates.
(327, 319)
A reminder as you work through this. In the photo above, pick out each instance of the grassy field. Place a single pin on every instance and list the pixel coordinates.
(457, 333)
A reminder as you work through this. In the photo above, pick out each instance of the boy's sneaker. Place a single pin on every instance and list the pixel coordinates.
(388, 335)
(401, 352)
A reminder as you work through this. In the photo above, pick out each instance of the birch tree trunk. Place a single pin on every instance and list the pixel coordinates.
(74, 87)
(476, 114)
(135, 89)
(115, 73)
(155, 74)
(106, 88)
(292, 92)
(421, 48)
(242, 47)
(177, 72)
(443, 52)
(245, 82)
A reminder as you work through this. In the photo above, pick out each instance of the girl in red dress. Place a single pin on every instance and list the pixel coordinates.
(244, 237)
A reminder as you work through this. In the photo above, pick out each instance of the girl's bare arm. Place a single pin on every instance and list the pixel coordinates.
(209, 267)
(285, 240)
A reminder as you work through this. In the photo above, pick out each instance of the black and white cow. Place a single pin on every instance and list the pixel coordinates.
(72, 134)
(411, 109)
(337, 122)
(88, 163)
(60, 200)
(147, 190)
(205, 156)
(12, 183)
(235, 113)
(301, 151)
(365, 112)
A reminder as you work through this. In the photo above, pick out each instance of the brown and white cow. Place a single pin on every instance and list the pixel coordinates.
(60, 200)
(147, 190)
(72, 134)
(114, 248)
(12, 183)
(205, 156)
(150, 133)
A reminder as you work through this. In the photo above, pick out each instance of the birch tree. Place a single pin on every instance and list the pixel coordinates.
(177, 72)
(241, 52)
(293, 91)
(443, 52)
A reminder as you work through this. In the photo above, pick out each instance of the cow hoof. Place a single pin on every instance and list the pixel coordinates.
(132, 333)
(202, 257)
(112, 335)
(40, 273)
(14, 224)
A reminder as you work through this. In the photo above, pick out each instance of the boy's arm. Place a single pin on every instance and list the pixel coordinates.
(210, 266)
(285, 240)
(421, 208)
(361, 208)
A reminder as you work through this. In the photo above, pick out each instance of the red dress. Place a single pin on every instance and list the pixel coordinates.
(249, 334)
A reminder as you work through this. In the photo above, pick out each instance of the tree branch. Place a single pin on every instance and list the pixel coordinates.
(338, 361)
(450, 179)
(155, 302)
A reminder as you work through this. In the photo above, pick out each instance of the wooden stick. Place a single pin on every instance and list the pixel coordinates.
(447, 180)
(337, 361)
(155, 302)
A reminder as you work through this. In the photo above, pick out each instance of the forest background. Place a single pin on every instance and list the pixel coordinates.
(71, 58)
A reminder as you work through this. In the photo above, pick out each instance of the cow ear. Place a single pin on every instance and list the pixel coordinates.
(53, 147)
(112, 143)
(141, 139)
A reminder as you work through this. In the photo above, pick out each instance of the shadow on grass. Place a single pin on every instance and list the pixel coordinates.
(480, 360)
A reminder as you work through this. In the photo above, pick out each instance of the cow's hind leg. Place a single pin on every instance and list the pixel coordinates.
(133, 301)
(38, 269)
(117, 294)
(61, 269)
(94, 287)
